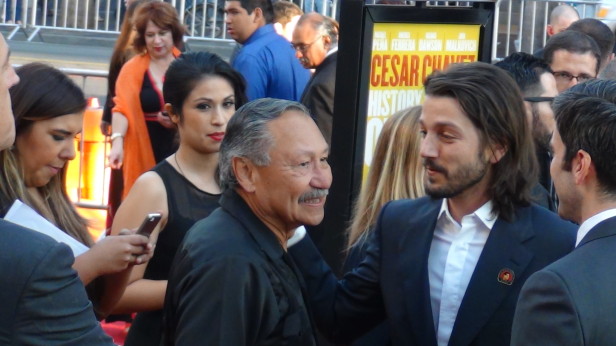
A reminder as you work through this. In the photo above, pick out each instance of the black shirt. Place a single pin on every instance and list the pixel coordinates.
(232, 283)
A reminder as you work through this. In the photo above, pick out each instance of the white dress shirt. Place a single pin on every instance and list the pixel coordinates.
(453, 256)
(591, 222)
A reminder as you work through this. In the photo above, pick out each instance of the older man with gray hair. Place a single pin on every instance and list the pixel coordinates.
(315, 40)
(232, 281)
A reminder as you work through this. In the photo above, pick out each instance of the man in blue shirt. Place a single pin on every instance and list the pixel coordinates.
(266, 59)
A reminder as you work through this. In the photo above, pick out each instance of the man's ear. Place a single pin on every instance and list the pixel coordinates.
(327, 41)
(258, 12)
(174, 117)
(582, 167)
(496, 153)
(549, 29)
(244, 171)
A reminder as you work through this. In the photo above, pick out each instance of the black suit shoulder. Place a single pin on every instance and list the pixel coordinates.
(571, 301)
(43, 300)
(319, 95)
(590, 258)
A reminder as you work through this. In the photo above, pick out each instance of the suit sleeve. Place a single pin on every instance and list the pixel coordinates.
(255, 74)
(321, 103)
(346, 309)
(228, 302)
(54, 308)
(546, 314)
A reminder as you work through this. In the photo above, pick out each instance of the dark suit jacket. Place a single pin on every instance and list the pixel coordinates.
(318, 96)
(572, 301)
(42, 300)
(392, 280)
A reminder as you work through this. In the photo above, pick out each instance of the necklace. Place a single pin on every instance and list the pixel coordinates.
(175, 158)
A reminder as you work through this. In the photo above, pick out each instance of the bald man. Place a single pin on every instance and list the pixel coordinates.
(560, 18)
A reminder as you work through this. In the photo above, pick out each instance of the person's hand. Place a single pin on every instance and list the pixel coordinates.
(105, 128)
(116, 154)
(165, 120)
(148, 249)
(116, 253)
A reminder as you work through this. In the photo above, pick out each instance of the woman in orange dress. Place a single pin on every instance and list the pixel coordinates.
(142, 134)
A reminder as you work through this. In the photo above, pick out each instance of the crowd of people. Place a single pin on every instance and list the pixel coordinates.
(487, 216)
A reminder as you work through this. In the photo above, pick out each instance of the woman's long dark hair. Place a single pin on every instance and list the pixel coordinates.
(42, 93)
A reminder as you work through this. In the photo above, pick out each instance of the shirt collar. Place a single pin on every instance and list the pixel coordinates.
(331, 51)
(484, 213)
(235, 205)
(591, 222)
(260, 32)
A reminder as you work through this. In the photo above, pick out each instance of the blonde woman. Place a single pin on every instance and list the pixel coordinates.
(395, 173)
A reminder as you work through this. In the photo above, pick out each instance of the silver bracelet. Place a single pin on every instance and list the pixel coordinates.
(116, 135)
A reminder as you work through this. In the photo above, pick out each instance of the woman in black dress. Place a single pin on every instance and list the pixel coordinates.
(202, 92)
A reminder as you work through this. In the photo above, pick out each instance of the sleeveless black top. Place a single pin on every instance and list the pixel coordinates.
(186, 204)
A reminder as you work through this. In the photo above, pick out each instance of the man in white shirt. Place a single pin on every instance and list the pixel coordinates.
(447, 269)
(573, 301)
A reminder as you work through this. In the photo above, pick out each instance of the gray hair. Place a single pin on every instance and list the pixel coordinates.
(323, 25)
(248, 136)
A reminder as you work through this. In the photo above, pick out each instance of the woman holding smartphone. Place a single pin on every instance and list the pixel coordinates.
(202, 92)
(48, 108)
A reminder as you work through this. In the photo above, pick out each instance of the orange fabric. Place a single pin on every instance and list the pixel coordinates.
(138, 154)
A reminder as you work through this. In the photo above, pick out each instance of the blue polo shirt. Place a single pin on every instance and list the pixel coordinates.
(269, 65)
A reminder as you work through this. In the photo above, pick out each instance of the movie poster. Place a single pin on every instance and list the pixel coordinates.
(403, 55)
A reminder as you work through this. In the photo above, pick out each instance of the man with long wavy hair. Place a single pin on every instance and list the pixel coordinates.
(447, 269)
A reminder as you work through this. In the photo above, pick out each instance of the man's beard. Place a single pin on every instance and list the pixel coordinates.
(541, 135)
(458, 181)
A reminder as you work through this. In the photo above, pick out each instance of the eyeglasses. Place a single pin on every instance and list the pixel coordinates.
(567, 77)
(539, 99)
(299, 47)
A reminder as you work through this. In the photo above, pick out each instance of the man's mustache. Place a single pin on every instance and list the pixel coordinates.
(312, 194)
(431, 165)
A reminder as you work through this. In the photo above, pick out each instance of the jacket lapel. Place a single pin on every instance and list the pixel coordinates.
(413, 249)
(504, 249)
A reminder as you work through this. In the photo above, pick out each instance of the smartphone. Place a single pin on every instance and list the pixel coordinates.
(149, 223)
